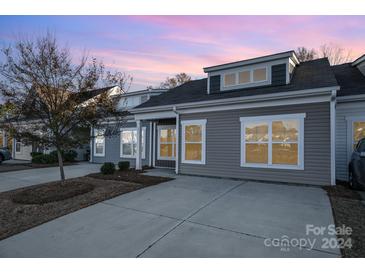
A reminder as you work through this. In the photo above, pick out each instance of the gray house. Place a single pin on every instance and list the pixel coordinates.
(270, 118)
(21, 151)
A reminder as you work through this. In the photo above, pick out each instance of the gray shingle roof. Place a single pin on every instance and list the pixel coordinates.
(308, 75)
(351, 80)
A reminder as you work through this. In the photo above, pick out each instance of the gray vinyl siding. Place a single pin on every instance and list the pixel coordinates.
(215, 83)
(278, 74)
(112, 148)
(343, 152)
(223, 146)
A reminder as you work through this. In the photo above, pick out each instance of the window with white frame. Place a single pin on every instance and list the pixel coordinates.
(259, 75)
(193, 141)
(166, 142)
(230, 79)
(246, 76)
(128, 143)
(99, 142)
(273, 141)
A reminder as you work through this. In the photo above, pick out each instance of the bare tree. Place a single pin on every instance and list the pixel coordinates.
(173, 82)
(305, 54)
(335, 54)
(50, 97)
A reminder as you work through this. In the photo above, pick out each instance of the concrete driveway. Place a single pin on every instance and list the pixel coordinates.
(187, 217)
(22, 178)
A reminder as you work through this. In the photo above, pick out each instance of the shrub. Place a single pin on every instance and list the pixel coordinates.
(54, 155)
(44, 159)
(34, 154)
(107, 168)
(123, 165)
(69, 156)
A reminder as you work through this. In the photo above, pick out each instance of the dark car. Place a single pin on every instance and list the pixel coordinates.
(357, 166)
(5, 154)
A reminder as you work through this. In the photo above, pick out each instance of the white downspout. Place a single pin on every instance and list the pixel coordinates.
(150, 146)
(138, 152)
(177, 140)
(333, 136)
(154, 145)
(91, 145)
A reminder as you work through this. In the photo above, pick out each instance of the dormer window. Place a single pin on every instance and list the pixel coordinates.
(230, 79)
(259, 75)
(245, 77)
(271, 70)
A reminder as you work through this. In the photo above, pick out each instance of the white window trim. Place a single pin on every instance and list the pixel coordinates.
(173, 143)
(251, 82)
(201, 123)
(122, 155)
(350, 133)
(95, 134)
(269, 119)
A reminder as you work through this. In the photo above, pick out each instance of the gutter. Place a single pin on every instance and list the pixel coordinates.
(237, 100)
(351, 98)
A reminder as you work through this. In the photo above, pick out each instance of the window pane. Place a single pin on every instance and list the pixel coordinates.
(256, 132)
(244, 77)
(230, 79)
(166, 150)
(193, 152)
(257, 153)
(193, 133)
(127, 149)
(127, 137)
(359, 131)
(285, 131)
(135, 149)
(99, 148)
(286, 154)
(259, 74)
(17, 146)
(167, 135)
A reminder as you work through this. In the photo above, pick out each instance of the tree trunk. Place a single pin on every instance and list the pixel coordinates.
(60, 164)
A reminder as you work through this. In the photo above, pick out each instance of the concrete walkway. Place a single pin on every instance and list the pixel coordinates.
(186, 217)
(22, 178)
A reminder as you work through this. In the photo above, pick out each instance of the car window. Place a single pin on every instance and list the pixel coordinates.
(361, 146)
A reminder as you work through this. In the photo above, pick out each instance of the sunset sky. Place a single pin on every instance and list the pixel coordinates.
(150, 48)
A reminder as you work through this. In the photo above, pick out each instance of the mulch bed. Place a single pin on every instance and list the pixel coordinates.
(349, 210)
(16, 217)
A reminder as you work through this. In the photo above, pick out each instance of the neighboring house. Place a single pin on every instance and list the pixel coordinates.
(110, 149)
(270, 118)
(22, 151)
